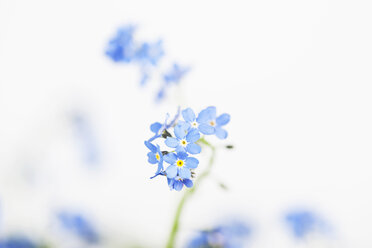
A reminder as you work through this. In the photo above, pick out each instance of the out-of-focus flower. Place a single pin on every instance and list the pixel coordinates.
(303, 223)
(79, 226)
(208, 116)
(121, 48)
(229, 235)
(184, 140)
(178, 182)
(17, 242)
(155, 156)
(150, 53)
(180, 165)
(175, 74)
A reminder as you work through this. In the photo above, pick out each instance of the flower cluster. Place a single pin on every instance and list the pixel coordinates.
(183, 143)
(124, 48)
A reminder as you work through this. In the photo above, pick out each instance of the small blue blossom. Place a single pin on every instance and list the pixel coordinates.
(208, 116)
(155, 156)
(78, 225)
(230, 235)
(190, 118)
(304, 222)
(17, 242)
(121, 48)
(175, 74)
(180, 165)
(177, 183)
(184, 140)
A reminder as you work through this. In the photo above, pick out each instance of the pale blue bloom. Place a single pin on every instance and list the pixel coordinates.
(185, 139)
(121, 48)
(78, 225)
(208, 116)
(303, 222)
(177, 183)
(155, 156)
(175, 74)
(180, 165)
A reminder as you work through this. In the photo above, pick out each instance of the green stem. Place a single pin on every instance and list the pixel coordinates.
(188, 193)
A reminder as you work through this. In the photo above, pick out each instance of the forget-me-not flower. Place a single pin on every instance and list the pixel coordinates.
(175, 74)
(177, 183)
(150, 53)
(185, 139)
(180, 165)
(155, 156)
(208, 116)
(190, 118)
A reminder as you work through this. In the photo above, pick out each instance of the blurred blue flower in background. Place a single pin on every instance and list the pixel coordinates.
(121, 47)
(303, 222)
(150, 53)
(229, 235)
(175, 74)
(79, 226)
(85, 137)
(17, 242)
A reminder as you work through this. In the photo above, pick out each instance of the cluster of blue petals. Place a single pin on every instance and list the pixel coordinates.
(229, 235)
(124, 48)
(79, 226)
(183, 144)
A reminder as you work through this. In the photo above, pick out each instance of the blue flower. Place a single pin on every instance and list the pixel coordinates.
(304, 222)
(149, 53)
(190, 118)
(175, 74)
(208, 117)
(177, 183)
(180, 165)
(121, 47)
(185, 139)
(17, 242)
(155, 156)
(230, 235)
(78, 225)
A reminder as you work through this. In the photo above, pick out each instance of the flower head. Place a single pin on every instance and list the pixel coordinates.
(180, 165)
(155, 156)
(175, 74)
(185, 139)
(208, 116)
(177, 183)
(149, 53)
(304, 222)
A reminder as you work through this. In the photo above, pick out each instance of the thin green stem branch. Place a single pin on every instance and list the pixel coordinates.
(188, 193)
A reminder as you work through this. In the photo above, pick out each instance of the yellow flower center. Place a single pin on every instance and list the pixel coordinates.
(157, 156)
(212, 123)
(179, 163)
(183, 142)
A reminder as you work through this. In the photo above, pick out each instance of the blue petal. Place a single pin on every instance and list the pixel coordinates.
(188, 115)
(171, 171)
(180, 149)
(180, 131)
(193, 148)
(206, 129)
(178, 185)
(221, 133)
(155, 127)
(150, 146)
(152, 158)
(191, 162)
(160, 167)
(193, 136)
(188, 183)
(206, 115)
(172, 142)
(185, 125)
(170, 158)
(184, 173)
(223, 119)
(182, 155)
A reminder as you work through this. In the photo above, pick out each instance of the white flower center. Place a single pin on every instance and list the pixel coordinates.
(194, 124)
(212, 123)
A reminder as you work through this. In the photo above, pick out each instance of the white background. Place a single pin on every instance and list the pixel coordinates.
(294, 75)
